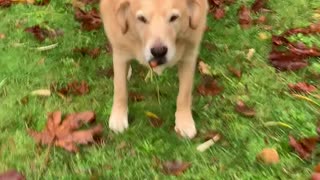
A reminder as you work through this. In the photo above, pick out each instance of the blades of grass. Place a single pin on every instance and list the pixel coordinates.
(298, 96)
(277, 123)
(3, 82)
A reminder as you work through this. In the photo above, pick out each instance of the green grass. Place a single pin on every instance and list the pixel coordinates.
(234, 158)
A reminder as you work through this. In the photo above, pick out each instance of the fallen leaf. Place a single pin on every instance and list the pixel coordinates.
(244, 110)
(209, 87)
(136, 97)
(75, 88)
(2, 36)
(93, 53)
(244, 15)
(204, 68)
(209, 46)
(302, 87)
(64, 133)
(235, 72)
(285, 61)
(41, 92)
(258, 5)
(219, 13)
(263, 36)
(261, 20)
(5, 3)
(11, 175)
(251, 53)
(175, 168)
(268, 156)
(317, 168)
(315, 176)
(304, 147)
(89, 20)
(107, 72)
(154, 120)
(41, 33)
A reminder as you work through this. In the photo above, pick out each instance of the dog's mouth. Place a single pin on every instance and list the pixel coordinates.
(157, 62)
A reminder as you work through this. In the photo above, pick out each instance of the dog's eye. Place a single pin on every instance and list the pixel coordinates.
(142, 19)
(173, 18)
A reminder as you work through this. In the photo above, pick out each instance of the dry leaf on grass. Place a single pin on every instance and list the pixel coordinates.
(244, 15)
(209, 87)
(75, 88)
(258, 5)
(244, 110)
(219, 13)
(136, 97)
(2, 36)
(41, 33)
(64, 133)
(89, 20)
(11, 175)
(175, 168)
(204, 68)
(304, 147)
(5, 3)
(268, 156)
(302, 87)
(235, 72)
(41, 92)
(154, 120)
(93, 53)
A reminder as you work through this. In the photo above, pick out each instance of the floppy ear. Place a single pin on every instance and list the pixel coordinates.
(122, 15)
(194, 7)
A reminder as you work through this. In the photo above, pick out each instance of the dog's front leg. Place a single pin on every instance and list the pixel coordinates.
(185, 125)
(118, 121)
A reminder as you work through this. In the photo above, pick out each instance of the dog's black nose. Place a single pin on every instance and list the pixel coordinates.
(159, 51)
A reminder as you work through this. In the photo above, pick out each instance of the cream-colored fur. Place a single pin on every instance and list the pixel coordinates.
(133, 27)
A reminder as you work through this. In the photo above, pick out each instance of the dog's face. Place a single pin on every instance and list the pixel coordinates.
(159, 24)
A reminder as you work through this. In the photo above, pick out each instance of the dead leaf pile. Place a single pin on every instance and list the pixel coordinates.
(41, 33)
(93, 53)
(75, 88)
(217, 7)
(209, 87)
(64, 133)
(296, 54)
(89, 20)
(175, 168)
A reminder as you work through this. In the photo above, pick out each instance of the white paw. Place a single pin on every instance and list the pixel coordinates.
(185, 125)
(118, 122)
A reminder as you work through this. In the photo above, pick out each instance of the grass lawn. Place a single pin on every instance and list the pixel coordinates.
(24, 69)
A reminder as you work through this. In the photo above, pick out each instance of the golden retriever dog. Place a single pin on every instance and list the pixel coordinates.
(159, 34)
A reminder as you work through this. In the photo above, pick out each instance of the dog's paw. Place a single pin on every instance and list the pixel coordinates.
(118, 122)
(185, 125)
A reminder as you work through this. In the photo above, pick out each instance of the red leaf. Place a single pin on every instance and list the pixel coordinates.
(258, 5)
(5, 3)
(94, 53)
(209, 87)
(244, 15)
(219, 13)
(234, 71)
(285, 61)
(89, 20)
(175, 167)
(302, 87)
(304, 147)
(11, 175)
(243, 109)
(41, 33)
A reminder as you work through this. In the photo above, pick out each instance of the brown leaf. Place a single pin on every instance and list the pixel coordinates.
(42, 2)
(107, 72)
(244, 110)
(204, 68)
(317, 168)
(5, 3)
(209, 46)
(136, 97)
(41, 33)
(89, 20)
(258, 5)
(11, 175)
(235, 72)
(64, 134)
(209, 87)
(285, 61)
(2, 36)
(302, 87)
(94, 53)
(175, 168)
(154, 120)
(304, 147)
(75, 88)
(268, 156)
(219, 13)
(244, 15)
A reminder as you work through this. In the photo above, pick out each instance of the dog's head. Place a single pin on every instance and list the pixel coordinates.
(159, 24)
